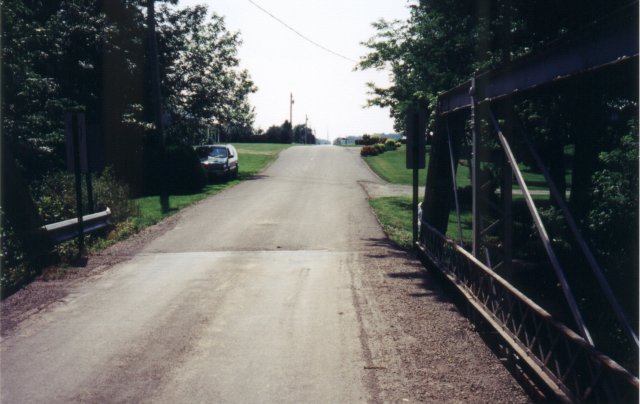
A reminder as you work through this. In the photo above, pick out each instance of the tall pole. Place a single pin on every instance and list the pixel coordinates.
(75, 129)
(306, 121)
(291, 110)
(156, 99)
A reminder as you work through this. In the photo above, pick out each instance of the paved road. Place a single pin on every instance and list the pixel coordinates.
(283, 289)
(248, 299)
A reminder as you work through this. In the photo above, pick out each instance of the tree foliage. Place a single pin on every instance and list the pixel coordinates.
(280, 134)
(445, 42)
(56, 54)
(303, 134)
(202, 82)
(585, 128)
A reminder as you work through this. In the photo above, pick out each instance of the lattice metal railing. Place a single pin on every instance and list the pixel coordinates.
(571, 368)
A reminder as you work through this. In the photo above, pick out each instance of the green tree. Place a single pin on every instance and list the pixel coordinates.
(303, 134)
(50, 53)
(203, 84)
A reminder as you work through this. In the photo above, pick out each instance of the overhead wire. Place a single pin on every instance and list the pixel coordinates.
(300, 34)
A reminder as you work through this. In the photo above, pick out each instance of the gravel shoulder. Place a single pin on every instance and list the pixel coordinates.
(421, 348)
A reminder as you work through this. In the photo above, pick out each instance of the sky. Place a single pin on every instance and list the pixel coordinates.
(325, 87)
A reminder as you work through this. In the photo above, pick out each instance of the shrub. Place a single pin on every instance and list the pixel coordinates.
(15, 269)
(55, 197)
(108, 192)
(380, 148)
(369, 151)
(390, 144)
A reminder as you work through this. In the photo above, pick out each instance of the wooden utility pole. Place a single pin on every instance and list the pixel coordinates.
(156, 99)
(291, 110)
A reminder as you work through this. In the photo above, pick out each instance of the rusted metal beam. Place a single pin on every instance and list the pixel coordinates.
(475, 170)
(609, 382)
(454, 182)
(542, 231)
(586, 251)
(609, 41)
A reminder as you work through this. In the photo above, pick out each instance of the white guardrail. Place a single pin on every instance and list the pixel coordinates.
(68, 229)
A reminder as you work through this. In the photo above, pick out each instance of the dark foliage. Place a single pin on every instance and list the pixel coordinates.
(180, 171)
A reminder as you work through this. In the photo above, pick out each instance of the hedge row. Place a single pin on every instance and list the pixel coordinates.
(380, 147)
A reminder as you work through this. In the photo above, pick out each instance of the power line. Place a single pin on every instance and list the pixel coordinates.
(301, 35)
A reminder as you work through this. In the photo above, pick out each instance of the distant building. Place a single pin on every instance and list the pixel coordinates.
(347, 141)
(355, 140)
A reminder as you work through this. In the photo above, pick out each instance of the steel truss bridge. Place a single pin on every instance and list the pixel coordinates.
(561, 361)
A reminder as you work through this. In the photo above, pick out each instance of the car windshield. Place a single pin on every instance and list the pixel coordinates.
(204, 152)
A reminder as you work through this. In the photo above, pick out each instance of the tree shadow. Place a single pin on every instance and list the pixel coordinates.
(429, 286)
(252, 177)
(391, 248)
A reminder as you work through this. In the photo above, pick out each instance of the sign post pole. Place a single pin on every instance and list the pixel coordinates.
(415, 133)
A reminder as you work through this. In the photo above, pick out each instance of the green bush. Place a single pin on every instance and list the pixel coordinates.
(390, 144)
(15, 269)
(55, 197)
(108, 192)
(380, 148)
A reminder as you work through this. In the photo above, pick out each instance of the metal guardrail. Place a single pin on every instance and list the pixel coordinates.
(569, 367)
(68, 229)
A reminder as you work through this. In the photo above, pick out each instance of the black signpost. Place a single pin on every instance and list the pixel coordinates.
(416, 123)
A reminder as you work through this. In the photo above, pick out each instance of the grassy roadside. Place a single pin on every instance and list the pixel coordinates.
(253, 158)
(394, 213)
(390, 166)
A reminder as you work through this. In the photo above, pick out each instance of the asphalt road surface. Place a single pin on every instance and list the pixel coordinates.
(250, 298)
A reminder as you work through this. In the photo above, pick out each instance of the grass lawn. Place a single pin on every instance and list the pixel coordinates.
(390, 166)
(394, 213)
(253, 158)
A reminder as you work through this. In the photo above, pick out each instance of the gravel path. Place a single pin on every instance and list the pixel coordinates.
(422, 348)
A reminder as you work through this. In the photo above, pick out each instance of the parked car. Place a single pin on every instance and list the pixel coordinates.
(218, 161)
